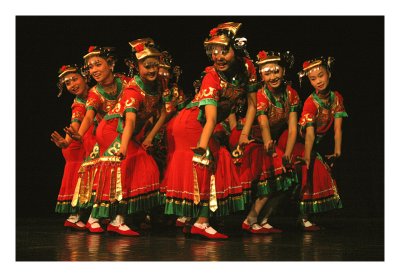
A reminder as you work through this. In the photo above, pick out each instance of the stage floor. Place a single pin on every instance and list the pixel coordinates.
(343, 239)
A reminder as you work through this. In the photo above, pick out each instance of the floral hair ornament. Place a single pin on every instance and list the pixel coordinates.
(143, 48)
(314, 64)
(213, 32)
(64, 70)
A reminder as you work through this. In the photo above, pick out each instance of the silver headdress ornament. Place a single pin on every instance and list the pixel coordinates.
(285, 59)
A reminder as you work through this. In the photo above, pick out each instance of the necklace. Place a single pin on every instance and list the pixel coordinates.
(112, 89)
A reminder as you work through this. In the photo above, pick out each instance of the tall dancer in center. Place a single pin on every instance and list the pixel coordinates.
(191, 186)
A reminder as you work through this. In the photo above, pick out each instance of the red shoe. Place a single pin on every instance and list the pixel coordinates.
(272, 229)
(75, 226)
(250, 229)
(179, 223)
(115, 229)
(311, 228)
(94, 230)
(202, 232)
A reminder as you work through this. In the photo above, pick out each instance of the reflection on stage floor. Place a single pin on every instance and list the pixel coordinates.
(343, 239)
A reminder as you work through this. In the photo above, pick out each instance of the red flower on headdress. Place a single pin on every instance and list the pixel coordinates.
(262, 55)
(139, 47)
(306, 64)
(213, 32)
(91, 48)
(63, 68)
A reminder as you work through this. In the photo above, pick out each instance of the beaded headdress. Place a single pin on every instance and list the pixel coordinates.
(314, 64)
(285, 59)
(105, 52)
(143, 48)
(225, 34)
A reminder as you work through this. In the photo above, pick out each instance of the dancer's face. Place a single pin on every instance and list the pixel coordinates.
(75, 84)
(272, 75)
(223, 57)
(319, 78)
(99, 69)
(148, 69)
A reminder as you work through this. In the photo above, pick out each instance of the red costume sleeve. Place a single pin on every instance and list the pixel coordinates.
(338, 108)
(94, 101)
(294, 99)
(131, 100)
(307, 116)
(210, 89)
(262, 102)
(78, 112)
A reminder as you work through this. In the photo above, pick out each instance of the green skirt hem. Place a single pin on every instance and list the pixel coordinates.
(187, 208)
(65, 207)
(321, 205)
(277, 184)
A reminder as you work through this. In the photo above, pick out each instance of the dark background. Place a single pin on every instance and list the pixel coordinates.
(45, 43)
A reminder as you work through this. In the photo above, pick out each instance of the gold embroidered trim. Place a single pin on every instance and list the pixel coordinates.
(185, 202)
(196, 196)
(74, 201)
(118, 189)
(213, 194)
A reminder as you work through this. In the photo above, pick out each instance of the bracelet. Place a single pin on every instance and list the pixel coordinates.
(244, 134)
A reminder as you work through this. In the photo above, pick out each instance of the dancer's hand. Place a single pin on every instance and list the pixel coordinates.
(269, 147)
(244, 140)
(119, 154)
(304, 160)
(332, 158)
(59, 140)
(146, 144)
(72, 133)
(286, 162)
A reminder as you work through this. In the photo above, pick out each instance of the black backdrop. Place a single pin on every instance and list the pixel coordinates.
(44, 43)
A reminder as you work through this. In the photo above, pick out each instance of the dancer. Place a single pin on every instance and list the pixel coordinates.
(176, 101)
(277, 106)
(99, 64)
(191, 182)
(322, 111)
(71, 79)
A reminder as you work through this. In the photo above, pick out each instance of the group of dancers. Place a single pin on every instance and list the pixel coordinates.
(137, 142)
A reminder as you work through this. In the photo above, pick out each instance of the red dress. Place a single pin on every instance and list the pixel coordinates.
(132, 185)
(73, 155)
(101, 102)
(193, 189)
(174, 104)
(319, 194)
(256, 165)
